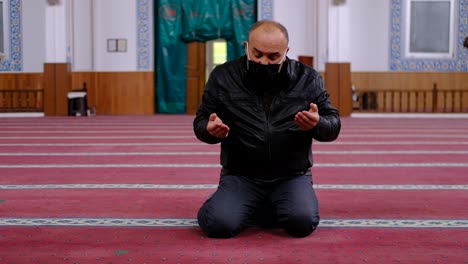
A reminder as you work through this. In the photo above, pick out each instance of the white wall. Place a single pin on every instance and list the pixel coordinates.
(300, 18)
(34, 42)
(370, 38)
(82, 36)
(359, 34)
(57, 32)
(114, 19)
(96, 21)
(356, 31)
(84, 43)
(321, 57)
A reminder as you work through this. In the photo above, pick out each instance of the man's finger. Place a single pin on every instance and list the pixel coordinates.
(213, 117)
(313, 108)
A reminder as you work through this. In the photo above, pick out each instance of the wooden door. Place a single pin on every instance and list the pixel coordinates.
(196, 65)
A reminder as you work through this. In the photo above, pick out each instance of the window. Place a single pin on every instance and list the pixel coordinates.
(429, 28)
(216, 54)
(2, 35)
(4, 25)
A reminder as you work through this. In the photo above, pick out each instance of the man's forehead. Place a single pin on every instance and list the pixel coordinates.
(267, 32)
(268, 45)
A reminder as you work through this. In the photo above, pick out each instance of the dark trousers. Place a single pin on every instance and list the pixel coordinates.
(239, 201)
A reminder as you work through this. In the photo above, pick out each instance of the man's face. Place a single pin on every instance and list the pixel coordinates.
(267, 46)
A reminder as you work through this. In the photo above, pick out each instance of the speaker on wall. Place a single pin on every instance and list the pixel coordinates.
(53, 2)
(339, 2)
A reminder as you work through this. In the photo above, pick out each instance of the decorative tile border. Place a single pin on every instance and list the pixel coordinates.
(143, 37)
(14, 60)
(266, 10)
(399, 63)
(184, 222)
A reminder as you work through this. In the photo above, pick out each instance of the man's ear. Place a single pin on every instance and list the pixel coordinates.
(245, 45)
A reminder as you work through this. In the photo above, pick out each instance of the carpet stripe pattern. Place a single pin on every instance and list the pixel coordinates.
(180, 222)
(213, 186)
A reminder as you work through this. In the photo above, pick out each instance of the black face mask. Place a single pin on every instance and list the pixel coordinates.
(263, 72)
(265, 78)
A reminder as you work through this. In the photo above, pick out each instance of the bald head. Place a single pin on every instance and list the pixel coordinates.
(268, 27)
(267, 42)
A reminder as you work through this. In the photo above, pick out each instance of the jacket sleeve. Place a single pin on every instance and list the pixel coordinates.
(329, 125)
(210, 104)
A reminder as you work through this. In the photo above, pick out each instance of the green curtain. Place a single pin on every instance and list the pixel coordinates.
(205, 20)
(243, 14)
(182, 21)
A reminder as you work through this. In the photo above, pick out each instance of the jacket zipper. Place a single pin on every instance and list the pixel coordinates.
(267, 126)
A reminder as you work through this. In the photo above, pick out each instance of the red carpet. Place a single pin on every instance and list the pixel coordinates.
(126, 189)
(329, 175)
(386, 204)
(188, 245)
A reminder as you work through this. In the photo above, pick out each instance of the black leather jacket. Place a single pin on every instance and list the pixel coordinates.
(264, 142)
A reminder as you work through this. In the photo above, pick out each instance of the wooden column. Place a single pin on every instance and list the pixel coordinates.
(57, 84)
(307, 60)
(196, 65)
(338, 84)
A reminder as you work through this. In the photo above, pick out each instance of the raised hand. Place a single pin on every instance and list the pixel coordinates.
(307, 120)
(216, 127)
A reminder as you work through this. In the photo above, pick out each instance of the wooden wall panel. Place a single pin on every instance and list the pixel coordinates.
(411, 81)
(123, 93)
(115, 93)
(365, 81)
(21, 81)
(118, 93)
(88, 78)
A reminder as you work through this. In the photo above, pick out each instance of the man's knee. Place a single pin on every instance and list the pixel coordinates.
(218, 226)
(301, 225)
